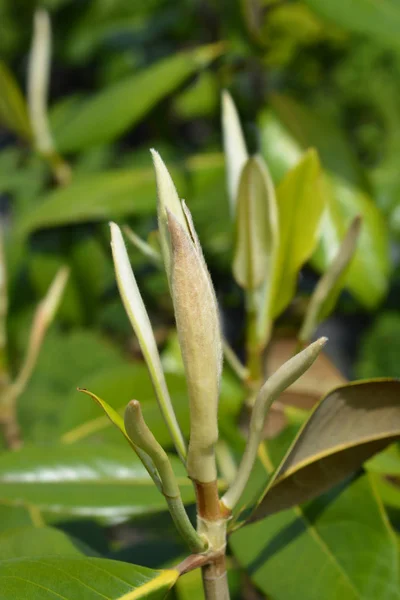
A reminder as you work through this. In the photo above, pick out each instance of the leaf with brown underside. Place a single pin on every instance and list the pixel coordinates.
(320, 379)
(347, 427)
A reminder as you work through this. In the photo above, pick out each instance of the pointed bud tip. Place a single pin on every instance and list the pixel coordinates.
(322, 341)
(134, 404)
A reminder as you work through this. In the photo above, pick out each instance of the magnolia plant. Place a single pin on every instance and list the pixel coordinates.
(222, 506)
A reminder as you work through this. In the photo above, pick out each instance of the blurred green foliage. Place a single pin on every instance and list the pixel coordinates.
(130, 75)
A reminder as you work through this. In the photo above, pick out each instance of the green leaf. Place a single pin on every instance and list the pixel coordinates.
(13, 113)
(386, 462)
(121, 192)
(344, 188)
(84, 578)
(65, 362)
(123, 104)
(300, 206)
(101, 481)
(94, 197)
(324, 550)
(347, 427)
(256, 226)
(308, 129)
(13, 517)
(83, 420)
(380, 20)
(35, 542)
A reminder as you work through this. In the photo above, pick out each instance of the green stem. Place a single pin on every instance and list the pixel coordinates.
(142, 437)
(254, 351)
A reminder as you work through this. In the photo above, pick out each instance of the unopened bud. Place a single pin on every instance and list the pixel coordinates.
(198, 328)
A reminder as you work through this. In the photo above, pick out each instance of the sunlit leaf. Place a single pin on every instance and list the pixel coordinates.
(84, 578)
(300, 207)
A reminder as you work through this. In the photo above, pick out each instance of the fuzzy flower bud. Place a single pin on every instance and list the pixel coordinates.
(198, 328)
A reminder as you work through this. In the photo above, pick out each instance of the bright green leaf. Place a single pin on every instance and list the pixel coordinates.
(300, 206)
(84, 578)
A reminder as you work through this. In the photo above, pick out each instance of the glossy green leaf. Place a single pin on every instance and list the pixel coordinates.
(13, 112)
(84, 578)
(98, 480)
(256, 226)
(288, 130)
(35, 542)
(339, 546)
(123, 104)
(380, 20)
(300, 206)
(348, 426)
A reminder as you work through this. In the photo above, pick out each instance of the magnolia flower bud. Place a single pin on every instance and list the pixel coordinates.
(197, 321)
(168, 199)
